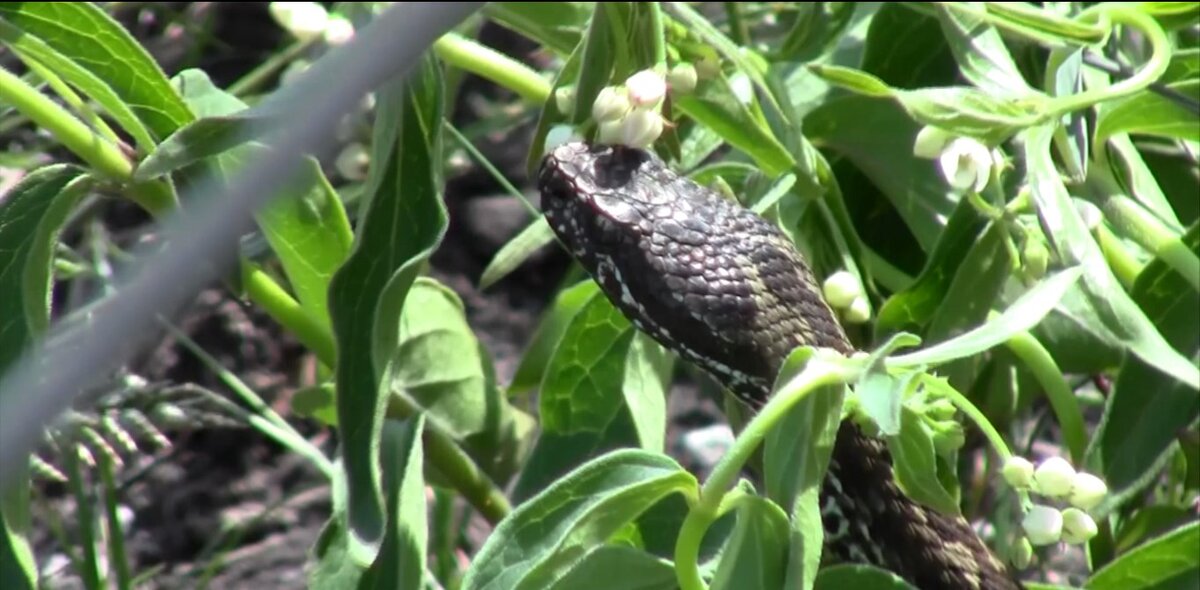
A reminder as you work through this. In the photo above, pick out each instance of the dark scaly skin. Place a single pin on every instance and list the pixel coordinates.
(726, 290)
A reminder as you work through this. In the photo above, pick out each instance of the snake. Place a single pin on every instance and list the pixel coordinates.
(728, 291)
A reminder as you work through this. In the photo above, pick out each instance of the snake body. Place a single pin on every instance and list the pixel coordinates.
(729, 292)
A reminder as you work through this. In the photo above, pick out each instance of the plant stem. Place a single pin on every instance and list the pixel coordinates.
(818, 372)
(1143, 228)
(464, 53)
(1066, 407)
(283, 308)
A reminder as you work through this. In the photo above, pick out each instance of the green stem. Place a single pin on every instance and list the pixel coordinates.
(72, 99)
(89, 569)
(817, 373)
(1123, 264)
(259, 75)
(283, 308)
(1107, 15)
(658, 36)
(156, 197)
(966, 407)
(455, 465)
(464, 53)
(1133, 221)
(1066, 407)
(737, 25)
(117, 556)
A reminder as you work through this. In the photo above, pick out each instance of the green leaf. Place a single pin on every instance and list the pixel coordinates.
(400, 564)
(859, 577)
(816, 27)
(336, 567)
(1150, 113)
(403, 220)
(796, 455)
(18, 566)
(514, 253)
(915, 306)
(558, 25)
(306, 225)
(638, 571)
(30, 47)
(550, 331)
(603, 389)
(549, 535)
(198, 140)
(1147, 408)
(1022, 315)
(31, 216)
(1168, 562)
(441, 367)
(716, 107)
(597, 57)
(915, 463)
(980, 52)
(84, 34)
(1119, 315)
(755, 557)
(880, 394)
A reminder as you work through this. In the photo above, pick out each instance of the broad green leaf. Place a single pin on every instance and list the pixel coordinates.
(442, 368)
(1119, 314)
(31, 216)
(84, 34)
(400, 564)
(877, 137)
(859, 577)
(614, 567)
(549, 535)
(1148, 523)
(403, 220)
(880, 395)
(30, 47)
(915, 463)
(199, 139)
(1022, 315)
(306, 225)
(513, 254)
(335, 565)
(18, 566)
(756, 555)
(718, 106)
(1147, 409)
(597, 58)
(817, 26)
(557, 25)
(1150, 113)
(914, 307)
(603, 389)
(907, 49)
(550, 331)
(1166, 563)
(981, 54)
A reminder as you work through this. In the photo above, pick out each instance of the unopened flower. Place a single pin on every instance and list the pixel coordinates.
(1043, 525)
(641, 128)
(682, 78)
(338, 31)
(841, 288)
(930, 142)
(1036, 257)
(304, 20)
(859, 311)
(1018, 472)
(1021, 554)
(612, 104)
(646, 89)
(1077, 526)
(609, 132)
(352, 162)
(564, 99)
(1087, 491)
(966, 164)
(1054, 477)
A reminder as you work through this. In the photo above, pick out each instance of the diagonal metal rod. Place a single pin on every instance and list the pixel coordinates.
(200, 244)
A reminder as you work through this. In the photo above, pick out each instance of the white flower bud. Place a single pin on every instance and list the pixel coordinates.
(352, 162)
(646, 89)
(1043, 525)
(609, 132)
(841, 289)
(641, 128)
(1018, 472)
(304, 20)
(564, 99)
(338, 31)
(1087, 491)
(612, 104)
(708, 67)
(1054, 477)
(682, 78)
(966, 164)
(930, 142)
(859, 311)
(1077, 526)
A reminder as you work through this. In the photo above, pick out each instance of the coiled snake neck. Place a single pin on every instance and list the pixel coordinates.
(726, 290)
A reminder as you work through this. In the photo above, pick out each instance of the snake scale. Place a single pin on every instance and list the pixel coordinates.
(728, 291)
